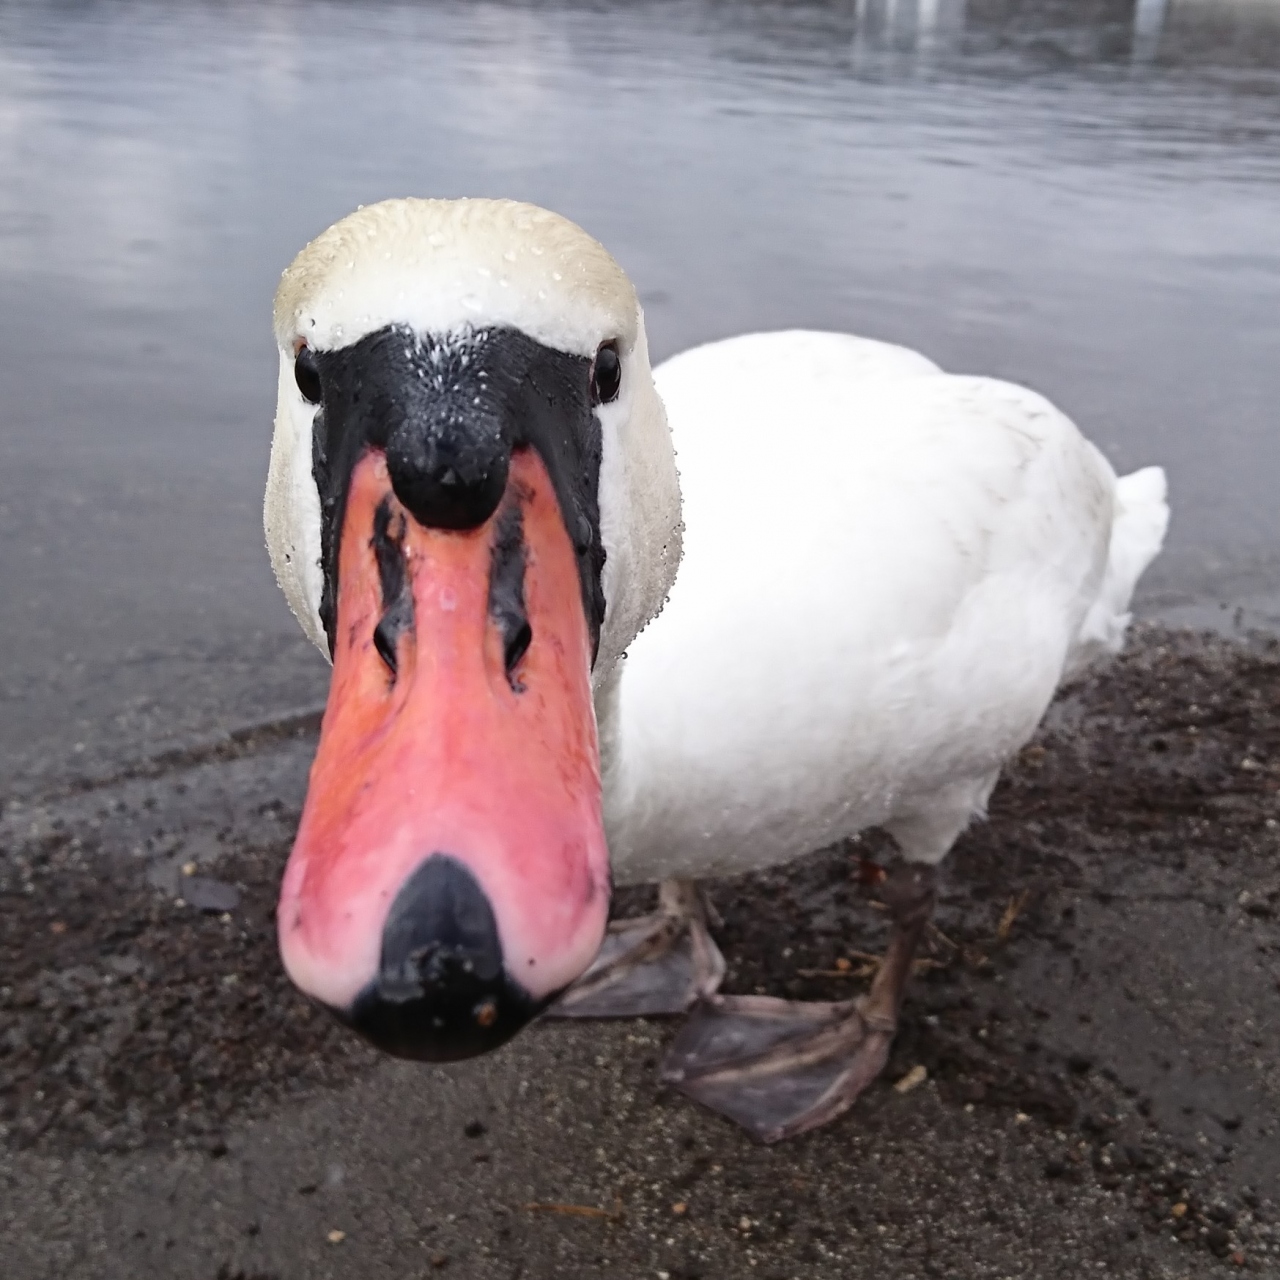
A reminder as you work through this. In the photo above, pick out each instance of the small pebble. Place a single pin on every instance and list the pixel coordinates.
(1178, 1209)
(916, 1076)
(213, 896)
(679, 1208)
(337, 1237)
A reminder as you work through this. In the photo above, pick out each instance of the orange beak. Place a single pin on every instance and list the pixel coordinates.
(450, 874)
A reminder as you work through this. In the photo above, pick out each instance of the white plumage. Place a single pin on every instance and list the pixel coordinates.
(887, 572)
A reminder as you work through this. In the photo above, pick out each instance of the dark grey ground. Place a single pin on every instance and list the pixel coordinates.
(1102, 1089)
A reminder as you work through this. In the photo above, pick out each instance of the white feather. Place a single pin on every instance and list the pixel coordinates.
(1137, 534)
(291, 512)
(886, 569)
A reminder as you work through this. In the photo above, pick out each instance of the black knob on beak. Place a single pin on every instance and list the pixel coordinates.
(449, 467)
(442, 991)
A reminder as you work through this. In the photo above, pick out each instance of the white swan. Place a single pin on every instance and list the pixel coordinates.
(887, 572)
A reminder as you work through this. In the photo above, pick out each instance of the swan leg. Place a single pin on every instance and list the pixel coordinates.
(781, 1067)
(654, 964)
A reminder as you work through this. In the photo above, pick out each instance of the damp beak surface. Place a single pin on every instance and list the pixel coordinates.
(450, 873)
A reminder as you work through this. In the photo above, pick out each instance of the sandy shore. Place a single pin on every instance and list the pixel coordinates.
(1100, 1028)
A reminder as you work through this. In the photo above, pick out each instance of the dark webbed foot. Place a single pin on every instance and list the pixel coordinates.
(656, 964)
(776, 1067)
(780, 1067)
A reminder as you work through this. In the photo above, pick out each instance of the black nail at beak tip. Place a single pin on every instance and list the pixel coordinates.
(442, 990)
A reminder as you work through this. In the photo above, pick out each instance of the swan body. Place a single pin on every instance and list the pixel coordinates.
(887, 572)
(475, 508)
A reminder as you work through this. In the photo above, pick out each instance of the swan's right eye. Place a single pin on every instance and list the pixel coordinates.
(606, 374)
(306, 374)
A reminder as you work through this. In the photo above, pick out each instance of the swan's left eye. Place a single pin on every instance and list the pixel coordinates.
(307, 375)
(606, 373)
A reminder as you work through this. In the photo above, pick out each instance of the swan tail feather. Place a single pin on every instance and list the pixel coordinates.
(1139, 522)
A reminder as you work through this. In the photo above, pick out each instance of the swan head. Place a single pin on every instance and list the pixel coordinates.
(472, 508)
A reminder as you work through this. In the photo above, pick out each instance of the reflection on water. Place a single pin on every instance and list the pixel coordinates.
(1148, 23)
(918, 26)
(1000, 35)
(1079, 194)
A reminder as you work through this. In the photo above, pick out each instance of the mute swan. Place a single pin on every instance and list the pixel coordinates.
(473, 507)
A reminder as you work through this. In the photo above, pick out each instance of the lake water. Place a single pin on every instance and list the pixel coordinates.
(1077, 194)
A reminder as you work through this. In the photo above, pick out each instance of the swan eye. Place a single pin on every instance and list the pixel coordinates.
(307, 375)
(606, 373)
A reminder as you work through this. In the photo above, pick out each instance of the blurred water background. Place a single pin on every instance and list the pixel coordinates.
(1078, 194)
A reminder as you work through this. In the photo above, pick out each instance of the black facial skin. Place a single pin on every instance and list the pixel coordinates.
(449, 412)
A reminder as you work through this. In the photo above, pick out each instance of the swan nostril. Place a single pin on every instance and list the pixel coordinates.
(385, 636)
(393, 578)
(506, 593)
(516, 647)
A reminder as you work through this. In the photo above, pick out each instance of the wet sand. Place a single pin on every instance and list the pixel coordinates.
(1098, 1025)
